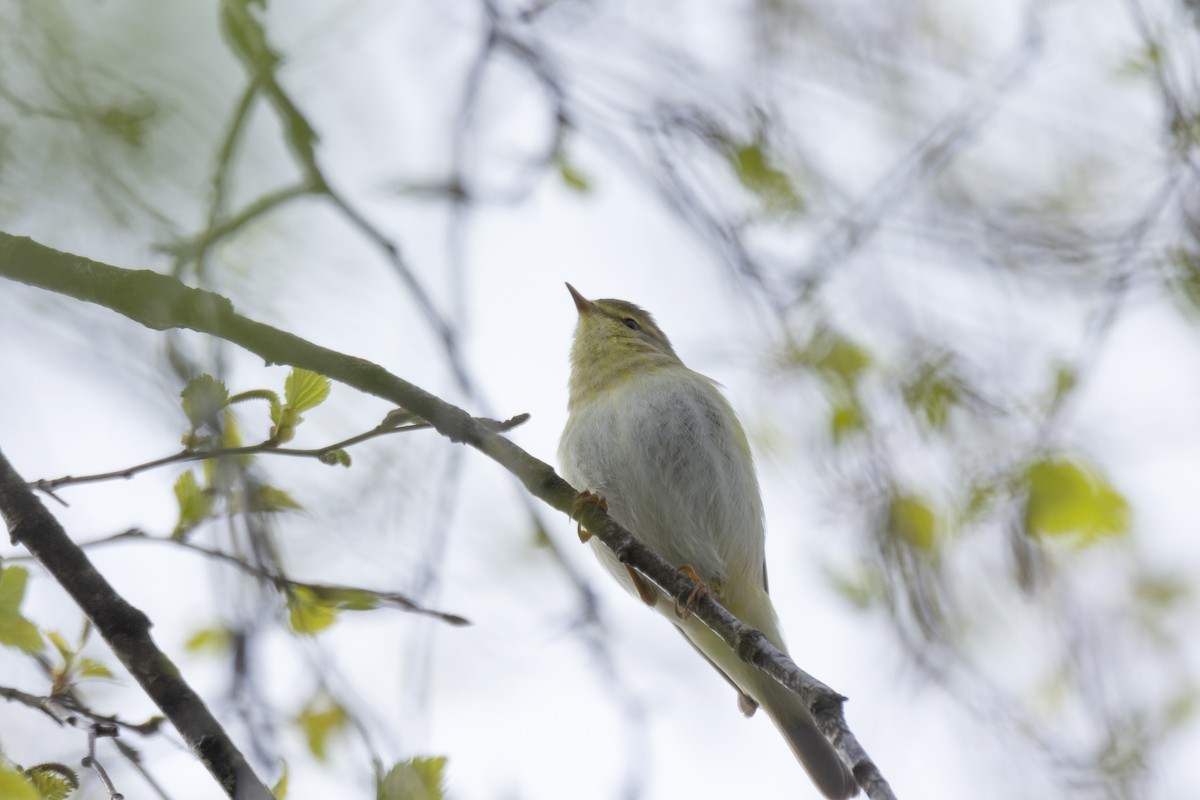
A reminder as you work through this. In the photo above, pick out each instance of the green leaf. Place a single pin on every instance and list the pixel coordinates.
(931, 394)
(308, 614)
(335, 457)
(350, 599)
(837, 359)
(91, 668)
(415, 779)
(1069, 498)
(53, 781)
(203, 397)
(321, 720)
(270, 500)
(15, 630)
(304, 389)
(216, 640)
(276, 412)
(755, 170)
(911, 520)
(280, 789)
(195, 504)
(571, 176)
(15, 785)
(845, 419)
(61, 645)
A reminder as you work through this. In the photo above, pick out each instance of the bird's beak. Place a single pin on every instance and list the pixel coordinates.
(582, 304)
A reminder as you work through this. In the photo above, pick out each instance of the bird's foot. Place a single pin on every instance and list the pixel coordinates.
(585, 499)
(684, 610)
(645, 589)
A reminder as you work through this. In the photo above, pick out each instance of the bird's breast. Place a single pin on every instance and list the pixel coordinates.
(671, 459)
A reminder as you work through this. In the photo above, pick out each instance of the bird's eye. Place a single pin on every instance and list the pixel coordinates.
(632, 324)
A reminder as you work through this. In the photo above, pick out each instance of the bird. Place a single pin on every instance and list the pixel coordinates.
(660, 448)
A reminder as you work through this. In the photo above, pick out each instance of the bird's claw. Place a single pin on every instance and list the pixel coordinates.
(585, 499)
(684, 610)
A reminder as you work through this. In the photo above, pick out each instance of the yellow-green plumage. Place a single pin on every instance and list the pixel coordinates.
(664, 448)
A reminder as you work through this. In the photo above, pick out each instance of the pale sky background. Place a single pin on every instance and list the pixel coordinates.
(518, 702)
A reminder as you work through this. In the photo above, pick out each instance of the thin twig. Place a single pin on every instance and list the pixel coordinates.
(135, 760)
(94, 731)
(198, 245)
(46, 705)
(267, 447)
(279, 581)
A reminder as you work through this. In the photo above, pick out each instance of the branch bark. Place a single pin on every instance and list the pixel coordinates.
(161, 302)
(127, 631)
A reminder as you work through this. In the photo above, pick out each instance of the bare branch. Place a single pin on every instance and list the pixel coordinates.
(278, 580)
(266, 447)
(127, 631)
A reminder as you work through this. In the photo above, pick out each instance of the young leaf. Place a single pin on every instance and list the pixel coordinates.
(912, 520)
(91, 668)
(15, 630)
(210, 640)
(308, 614)
(61, 645)
(320, 721)
(203, 397)
(755, 170)
(1069, 498)
(351, 599)
(279, 790)
(15, 785)
(195, 504)
(571, 176)
(269, 500)
(304, 389)
(53, 781)
(335, 457)
(931, 393)
(415, 779)
(836, 358)
(845, 419)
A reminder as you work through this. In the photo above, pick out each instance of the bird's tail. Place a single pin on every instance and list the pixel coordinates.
(826, 769)
(782, 705)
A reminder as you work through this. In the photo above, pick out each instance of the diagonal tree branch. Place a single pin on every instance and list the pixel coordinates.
(127, 631)
(161, 302)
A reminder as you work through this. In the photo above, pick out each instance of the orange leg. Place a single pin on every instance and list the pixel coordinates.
(684, 611)
(645, 590)
(584, 500)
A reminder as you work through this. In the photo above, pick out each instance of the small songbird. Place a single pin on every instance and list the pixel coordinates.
(660, 446)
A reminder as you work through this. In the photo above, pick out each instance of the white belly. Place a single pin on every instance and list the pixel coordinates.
(667, 453)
